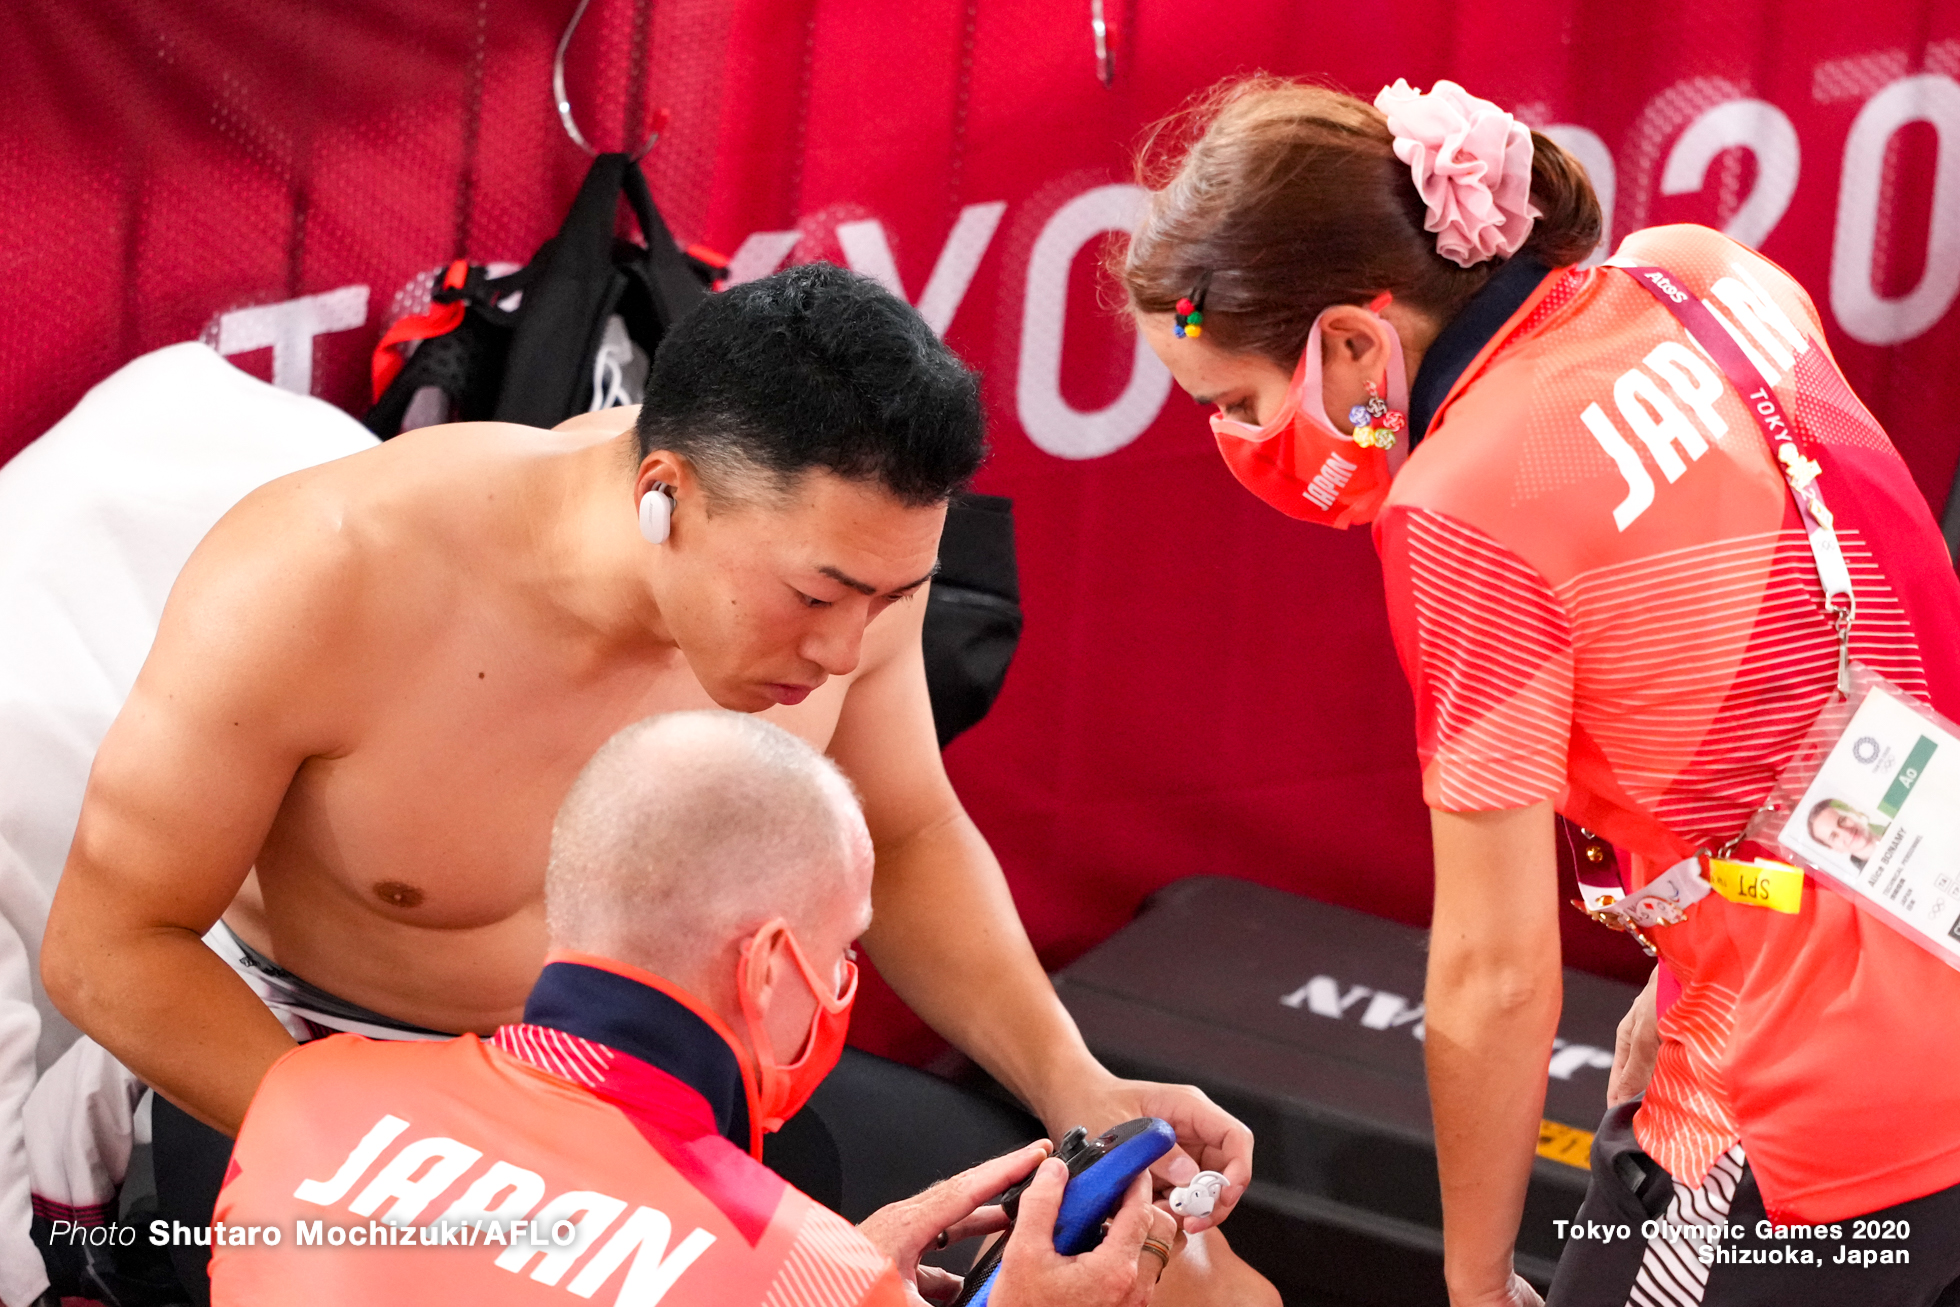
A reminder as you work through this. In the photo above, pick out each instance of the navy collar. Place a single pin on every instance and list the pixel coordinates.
(642, 1022)
(1466, 335)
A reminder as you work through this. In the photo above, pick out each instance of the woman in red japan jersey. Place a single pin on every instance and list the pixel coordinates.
(1601, 590)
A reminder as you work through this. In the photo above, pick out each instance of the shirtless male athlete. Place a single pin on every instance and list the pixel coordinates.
(375, 680)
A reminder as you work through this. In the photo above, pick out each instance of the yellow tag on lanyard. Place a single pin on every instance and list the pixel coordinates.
(1565, 1143)
(1761, 884)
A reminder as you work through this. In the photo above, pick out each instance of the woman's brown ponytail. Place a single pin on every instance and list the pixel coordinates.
(1569, 219)
(1291, 198)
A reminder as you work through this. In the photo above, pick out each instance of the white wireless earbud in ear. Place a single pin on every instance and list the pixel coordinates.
(657, 514)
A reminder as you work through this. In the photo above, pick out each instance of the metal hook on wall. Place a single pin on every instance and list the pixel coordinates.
(565, 105)
(1105, 67)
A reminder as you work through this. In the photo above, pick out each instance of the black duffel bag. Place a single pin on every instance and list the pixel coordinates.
(482, 355)
(973, 617)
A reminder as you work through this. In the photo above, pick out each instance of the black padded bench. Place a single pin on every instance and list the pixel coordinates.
(1303, 1019)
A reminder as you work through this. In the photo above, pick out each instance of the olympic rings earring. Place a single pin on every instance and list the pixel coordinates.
(657, 513)
(1375, 424)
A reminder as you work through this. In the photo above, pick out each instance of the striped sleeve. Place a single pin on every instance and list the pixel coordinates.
(1488, 653)
(832, 1265)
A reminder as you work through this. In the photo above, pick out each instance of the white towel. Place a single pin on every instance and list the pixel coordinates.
(96, 519)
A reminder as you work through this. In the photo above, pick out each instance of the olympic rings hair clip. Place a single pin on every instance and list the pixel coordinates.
(1189, 320)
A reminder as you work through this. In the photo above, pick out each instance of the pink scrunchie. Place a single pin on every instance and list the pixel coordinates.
(1472, 165)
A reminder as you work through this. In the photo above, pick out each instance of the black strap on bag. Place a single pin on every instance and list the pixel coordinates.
(584, 276)
(532, 363)
(465, 364)
(973, 616)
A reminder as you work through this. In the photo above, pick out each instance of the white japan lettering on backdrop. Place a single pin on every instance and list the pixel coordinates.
(645, 1238)
(591, 1214)
(288, 328)
(1659, 425)
(1322, 996)
(1051, 423)
(325, 1193)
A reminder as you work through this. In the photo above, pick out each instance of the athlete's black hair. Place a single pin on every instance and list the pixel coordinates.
(815, 367)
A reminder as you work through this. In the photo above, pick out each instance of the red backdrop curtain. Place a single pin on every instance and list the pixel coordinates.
(1204, 685)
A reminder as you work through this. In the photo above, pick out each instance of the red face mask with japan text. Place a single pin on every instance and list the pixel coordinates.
(1301, 463)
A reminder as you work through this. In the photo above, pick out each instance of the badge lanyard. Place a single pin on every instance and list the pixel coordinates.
(1873, 741)
(1799, 473)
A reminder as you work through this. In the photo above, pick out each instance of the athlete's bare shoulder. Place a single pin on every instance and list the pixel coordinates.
(367, 524)
(327, 575)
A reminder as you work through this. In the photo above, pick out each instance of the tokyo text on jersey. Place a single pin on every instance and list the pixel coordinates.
(537, 1168)
(1603, 596)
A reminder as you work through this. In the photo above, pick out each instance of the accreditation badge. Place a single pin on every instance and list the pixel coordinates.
(1871, 806)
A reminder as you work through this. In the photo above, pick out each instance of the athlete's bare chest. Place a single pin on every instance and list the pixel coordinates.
(439, 812)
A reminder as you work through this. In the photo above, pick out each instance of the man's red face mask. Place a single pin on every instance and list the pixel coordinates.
(1305, 466)
(783, 1090)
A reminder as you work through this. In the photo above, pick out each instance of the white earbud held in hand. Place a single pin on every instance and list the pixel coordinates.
(657, 513)
(1194, 1201)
